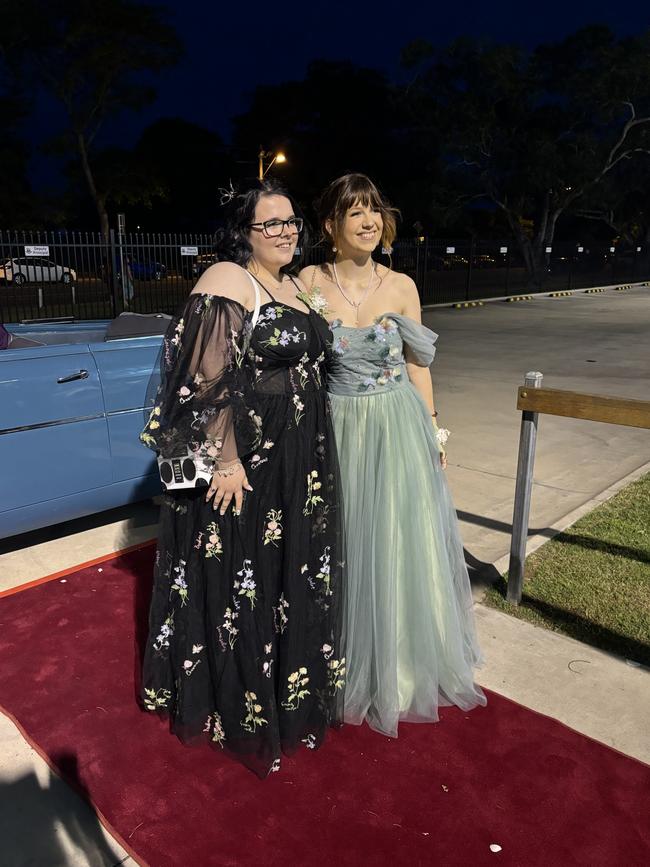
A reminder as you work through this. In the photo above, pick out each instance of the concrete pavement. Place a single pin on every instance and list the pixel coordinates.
(596, 344)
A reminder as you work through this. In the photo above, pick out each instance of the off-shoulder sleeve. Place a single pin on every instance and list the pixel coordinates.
(205, 400)
(419, 339)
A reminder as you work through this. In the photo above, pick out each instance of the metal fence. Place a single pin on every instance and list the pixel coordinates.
(86, 276)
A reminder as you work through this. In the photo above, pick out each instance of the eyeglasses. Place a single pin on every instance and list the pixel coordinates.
(275, 228)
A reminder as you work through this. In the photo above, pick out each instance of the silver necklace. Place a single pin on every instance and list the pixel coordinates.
(355, 304)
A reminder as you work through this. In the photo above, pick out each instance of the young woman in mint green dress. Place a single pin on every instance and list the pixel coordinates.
(411, 643)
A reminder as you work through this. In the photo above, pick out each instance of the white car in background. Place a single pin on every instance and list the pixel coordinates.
(33, 269)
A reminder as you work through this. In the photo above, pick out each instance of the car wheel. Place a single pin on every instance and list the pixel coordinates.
(19, 279)
(67, 277)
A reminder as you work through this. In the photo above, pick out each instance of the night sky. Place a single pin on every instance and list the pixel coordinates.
(231, 47)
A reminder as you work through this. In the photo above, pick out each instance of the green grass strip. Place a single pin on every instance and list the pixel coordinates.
(592, 582)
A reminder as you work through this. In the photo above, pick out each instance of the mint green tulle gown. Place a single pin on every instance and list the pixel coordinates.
(411, 644)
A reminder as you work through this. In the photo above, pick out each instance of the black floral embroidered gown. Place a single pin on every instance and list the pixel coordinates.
(244, 645)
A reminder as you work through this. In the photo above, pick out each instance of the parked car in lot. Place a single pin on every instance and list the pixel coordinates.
(72, 404)
(193, 266)
(147, 270)
(32, 269)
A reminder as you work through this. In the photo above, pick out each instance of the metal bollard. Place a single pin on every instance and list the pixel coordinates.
(523, 489)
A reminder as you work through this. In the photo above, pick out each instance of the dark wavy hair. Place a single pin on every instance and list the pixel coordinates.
(231, 242)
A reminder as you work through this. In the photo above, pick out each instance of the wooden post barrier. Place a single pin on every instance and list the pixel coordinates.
(532, 399)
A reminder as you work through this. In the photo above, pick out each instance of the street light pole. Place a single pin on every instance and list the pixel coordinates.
(279, 157)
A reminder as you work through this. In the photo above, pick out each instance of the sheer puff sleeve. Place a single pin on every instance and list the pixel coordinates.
(205, 401)
(419, 339)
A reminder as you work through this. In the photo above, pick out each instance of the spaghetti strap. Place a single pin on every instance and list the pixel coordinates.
(253, 277)
(256, 311)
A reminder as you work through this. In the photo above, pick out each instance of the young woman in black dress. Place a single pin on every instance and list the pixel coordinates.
(245, 622)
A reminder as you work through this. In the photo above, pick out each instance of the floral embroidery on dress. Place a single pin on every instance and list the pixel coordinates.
(228, 626)
(310, 742)
(251, 721)
(324, 574)
(185, 394)
(152, 424)
(214, 545)
(166, 632)
(312, 498)
(336, 674)
(235, 350)
(320, 446)
(257, 421)
(280, 618)
(178, 333)
(156, 699)
(273, 529)
(321, 583)
(316, 366)
(382, 329)
(270, 314)
(319, 525)
(296, 683)
(302, 371)
(341, 345)
(267, 665)
(257, 461)
(246, 586)
(214, 727)
(179, 584)
(189, 666)
(284, 337)
(382, 378)
(299, 411)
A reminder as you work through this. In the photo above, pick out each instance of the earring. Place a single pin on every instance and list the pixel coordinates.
(334, 250)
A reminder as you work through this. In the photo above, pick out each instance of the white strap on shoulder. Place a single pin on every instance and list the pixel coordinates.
(256, 311)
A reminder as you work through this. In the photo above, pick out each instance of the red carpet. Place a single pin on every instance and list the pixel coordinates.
(438, 795)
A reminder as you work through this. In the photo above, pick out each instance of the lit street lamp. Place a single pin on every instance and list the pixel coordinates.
(265, 155)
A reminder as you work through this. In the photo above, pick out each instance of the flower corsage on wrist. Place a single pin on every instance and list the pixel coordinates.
(441, 434)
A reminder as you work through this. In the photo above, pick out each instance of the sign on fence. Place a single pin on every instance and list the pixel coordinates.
(189, 251)
(451, 249)
(37, 251)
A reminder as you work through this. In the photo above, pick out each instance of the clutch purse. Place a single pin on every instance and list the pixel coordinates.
(184, 471)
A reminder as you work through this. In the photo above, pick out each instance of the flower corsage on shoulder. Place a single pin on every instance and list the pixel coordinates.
(315, 300)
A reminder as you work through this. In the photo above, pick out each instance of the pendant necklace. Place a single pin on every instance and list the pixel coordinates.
(355, 304)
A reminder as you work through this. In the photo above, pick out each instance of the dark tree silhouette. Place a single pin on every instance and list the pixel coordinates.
(536, 133)
(96, 58)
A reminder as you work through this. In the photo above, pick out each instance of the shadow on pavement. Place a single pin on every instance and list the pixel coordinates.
(565, 538)
(583, 629)
(48, 827)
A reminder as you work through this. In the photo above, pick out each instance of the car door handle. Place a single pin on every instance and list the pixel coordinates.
(81, 374)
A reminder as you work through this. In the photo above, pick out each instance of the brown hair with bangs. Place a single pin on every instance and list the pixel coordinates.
(347, 192)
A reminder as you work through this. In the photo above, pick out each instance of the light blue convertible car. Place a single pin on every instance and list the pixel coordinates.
(72, 403)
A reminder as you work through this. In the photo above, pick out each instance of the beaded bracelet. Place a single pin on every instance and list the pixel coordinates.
(229, 471)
